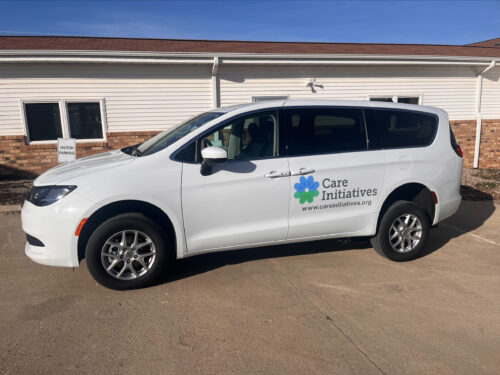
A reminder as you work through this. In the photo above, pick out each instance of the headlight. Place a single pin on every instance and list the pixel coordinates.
(45, 195)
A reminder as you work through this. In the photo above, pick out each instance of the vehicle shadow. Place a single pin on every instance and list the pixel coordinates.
(184, 268)
(470, 216)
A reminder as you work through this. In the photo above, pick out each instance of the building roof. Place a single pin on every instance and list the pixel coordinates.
(486, 43)
(51, 43)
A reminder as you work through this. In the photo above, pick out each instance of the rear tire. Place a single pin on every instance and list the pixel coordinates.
(128, 251)
(402, 233)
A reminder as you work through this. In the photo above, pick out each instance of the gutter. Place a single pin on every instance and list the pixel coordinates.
(102, 60)
(135, 57)
(215, 86)
(479, 92)
(227, 61)
(348, 62)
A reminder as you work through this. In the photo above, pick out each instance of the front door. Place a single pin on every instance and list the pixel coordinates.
(335, 181)
(244, 200)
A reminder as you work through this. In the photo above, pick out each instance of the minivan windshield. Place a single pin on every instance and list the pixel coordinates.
(166, 138)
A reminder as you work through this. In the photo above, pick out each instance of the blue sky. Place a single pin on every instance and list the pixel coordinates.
(436, 22)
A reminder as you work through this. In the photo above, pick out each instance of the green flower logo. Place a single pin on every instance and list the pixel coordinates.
(306, 189)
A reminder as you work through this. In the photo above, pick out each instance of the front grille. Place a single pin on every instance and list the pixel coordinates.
(33, 241)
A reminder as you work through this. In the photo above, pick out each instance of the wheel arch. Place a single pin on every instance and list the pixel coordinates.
(414, 192)
(126, 206)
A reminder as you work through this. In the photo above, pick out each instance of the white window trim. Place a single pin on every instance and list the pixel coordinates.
(396, 97)
(63, 112)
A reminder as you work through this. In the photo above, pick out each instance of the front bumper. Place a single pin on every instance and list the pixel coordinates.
(54, 226)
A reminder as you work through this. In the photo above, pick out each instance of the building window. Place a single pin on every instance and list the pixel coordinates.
(385, 99)
(64, 119)
(410, 99)
(85, 120)
(267, 98)
(43, 121)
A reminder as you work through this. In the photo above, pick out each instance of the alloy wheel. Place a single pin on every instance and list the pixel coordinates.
(128, 254)
(405, 233)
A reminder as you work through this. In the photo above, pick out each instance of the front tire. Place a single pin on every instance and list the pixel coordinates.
(128, 251)
(403, 232)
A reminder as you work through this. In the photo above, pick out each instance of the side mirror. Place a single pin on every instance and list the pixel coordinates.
(212, 155)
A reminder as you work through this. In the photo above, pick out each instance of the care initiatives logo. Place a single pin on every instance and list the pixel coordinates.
(306, 189)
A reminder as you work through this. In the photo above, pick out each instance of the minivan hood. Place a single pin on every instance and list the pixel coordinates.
(83, 166)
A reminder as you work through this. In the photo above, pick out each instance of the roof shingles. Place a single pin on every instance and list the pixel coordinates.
(212, 46)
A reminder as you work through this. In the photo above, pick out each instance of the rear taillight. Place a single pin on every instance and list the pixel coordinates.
(454, 144)
(434, 195)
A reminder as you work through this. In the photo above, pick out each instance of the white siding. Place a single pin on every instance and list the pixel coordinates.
(490, 101)
(452, 88)
(155, 97)
(137, 97)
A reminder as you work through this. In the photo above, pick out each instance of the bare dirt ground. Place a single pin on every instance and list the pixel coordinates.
(14, 191)
(14, 185)
(485, 181)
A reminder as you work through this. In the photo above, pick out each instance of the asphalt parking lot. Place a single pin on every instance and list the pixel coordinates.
(311, 308)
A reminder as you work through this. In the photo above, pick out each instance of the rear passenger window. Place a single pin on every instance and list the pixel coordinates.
(394, 129)
(324, 130)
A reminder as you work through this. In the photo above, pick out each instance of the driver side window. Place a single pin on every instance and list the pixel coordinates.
(246, 138)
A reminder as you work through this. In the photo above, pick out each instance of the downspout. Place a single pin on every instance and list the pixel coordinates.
(215, 86)
(479, 93)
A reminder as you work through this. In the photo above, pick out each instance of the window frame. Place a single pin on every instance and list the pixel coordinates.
(280, 141)
(64, 118)
(432, 140)
(363, 119)
(395, 98)
(24, 118)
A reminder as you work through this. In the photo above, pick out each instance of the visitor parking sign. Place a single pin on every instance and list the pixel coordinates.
(66, 149)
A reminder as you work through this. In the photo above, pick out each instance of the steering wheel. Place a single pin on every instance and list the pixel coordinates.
(207, 143)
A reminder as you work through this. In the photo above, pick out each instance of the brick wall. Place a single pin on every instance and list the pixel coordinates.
(14, 153)
(465, 132)
(489, 152)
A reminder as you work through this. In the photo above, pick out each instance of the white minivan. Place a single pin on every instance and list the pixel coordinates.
(245, 176)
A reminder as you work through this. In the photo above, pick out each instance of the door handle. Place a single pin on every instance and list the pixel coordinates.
(276, 174)
(302, 171)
